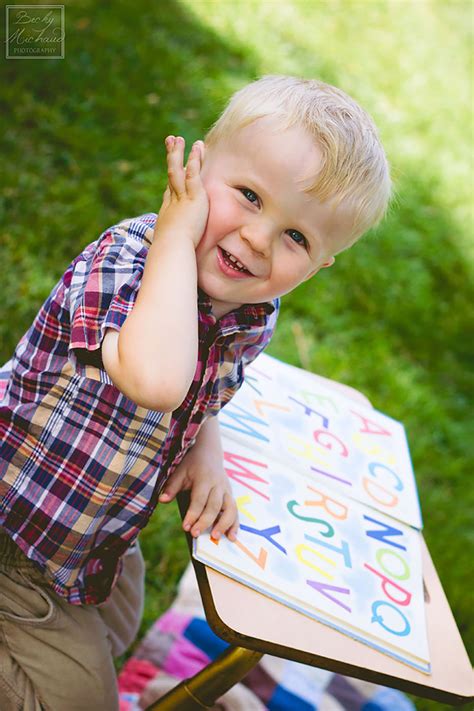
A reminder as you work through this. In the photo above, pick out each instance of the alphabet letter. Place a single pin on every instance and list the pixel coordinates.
(370, 426)
(373, 466)
(334, 508)
(388, 531)
(379, 619)
(323, 589)
(400, 576)
(299, 551)
(343, 550)
(386, 582)
(242, 473)
(320, 434)
(379, 493)
(329, 529)
(309, 411)
(267, 533)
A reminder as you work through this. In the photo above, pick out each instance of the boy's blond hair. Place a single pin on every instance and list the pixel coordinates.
(355, 173)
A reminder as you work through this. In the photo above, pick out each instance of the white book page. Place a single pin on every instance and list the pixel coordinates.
(323, 554)
(287, 414)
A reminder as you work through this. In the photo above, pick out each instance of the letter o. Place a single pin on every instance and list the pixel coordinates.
(398, 576)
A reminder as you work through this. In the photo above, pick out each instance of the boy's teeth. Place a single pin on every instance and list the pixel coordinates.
(235, 262)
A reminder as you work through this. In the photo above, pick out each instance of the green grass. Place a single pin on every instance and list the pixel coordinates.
(83, 148)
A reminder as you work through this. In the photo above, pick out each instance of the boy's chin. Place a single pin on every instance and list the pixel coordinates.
(221, 308)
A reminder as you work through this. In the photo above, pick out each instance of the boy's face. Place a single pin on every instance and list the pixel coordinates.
(260, 214)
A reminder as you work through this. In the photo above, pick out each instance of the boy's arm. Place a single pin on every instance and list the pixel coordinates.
(202, 471)
(152, 359)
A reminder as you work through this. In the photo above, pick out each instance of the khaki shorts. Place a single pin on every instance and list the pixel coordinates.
(55, 656)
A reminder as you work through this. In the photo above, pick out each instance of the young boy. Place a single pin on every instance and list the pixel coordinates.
(111, 394)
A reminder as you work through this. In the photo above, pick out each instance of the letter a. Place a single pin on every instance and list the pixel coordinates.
(371, 427)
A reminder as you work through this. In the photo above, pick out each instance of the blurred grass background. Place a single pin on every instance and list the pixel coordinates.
(83, 148)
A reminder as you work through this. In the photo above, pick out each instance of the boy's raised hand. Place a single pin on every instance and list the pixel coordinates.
(185, 206)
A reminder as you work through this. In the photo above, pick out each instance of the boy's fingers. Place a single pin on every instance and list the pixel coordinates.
(229, 519)
(173, 486)
(169, 143)
(199, 496)
(175, 158)
(203, 511)
(193, 166)
(202, 149)
(166, 196)
(194, 184)
(233, 532)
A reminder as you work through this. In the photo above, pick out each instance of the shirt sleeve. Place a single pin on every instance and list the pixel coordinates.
(245, 350)
(104, 285)
(254, 349)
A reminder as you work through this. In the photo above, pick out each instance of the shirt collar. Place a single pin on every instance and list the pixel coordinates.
(247, 315)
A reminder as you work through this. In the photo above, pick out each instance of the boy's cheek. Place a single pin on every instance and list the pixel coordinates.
(224, 215)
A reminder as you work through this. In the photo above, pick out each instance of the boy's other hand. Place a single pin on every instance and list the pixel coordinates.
(185, 206)
(212, 503)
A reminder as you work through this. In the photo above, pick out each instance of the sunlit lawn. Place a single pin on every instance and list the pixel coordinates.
(83, 149)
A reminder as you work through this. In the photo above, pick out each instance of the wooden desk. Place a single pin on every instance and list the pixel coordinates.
(254, 625)
(248, 619)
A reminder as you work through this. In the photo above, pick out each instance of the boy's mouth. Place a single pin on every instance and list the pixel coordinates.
(233, 262)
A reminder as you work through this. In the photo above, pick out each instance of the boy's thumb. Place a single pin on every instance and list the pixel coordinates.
(172, 486)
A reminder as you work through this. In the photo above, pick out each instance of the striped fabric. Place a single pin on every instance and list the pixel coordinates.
(81, 465)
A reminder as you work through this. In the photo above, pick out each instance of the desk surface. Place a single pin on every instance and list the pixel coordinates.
(246, 618)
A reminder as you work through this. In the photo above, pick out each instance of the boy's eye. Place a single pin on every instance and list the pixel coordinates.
(249, 194)
(298, 237)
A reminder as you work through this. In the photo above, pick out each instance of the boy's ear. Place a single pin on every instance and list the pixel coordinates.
(329, 263)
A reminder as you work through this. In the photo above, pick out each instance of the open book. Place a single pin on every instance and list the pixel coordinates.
(328, 509)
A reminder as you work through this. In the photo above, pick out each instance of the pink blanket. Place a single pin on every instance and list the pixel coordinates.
(181, 643)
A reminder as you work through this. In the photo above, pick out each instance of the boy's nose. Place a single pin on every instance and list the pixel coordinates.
(258, 237)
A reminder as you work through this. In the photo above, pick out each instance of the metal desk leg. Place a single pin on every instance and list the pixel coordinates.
(202, 690)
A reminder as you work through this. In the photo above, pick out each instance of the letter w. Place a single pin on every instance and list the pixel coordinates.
(242, 474)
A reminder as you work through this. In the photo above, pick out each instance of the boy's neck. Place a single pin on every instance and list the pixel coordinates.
(220, 309)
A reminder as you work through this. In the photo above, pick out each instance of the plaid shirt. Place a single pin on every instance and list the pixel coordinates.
(81, 465)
